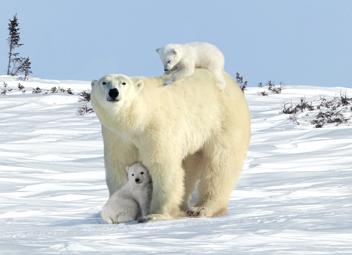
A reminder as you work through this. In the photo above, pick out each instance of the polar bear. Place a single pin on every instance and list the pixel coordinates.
(184, 134)
(180, 60)
(132, 200)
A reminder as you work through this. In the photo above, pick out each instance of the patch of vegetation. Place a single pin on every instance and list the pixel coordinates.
(84, 96)
(37, 90)
(20, 86)
(85, 109)
(60, 90)
(328, 117)
(243, 83)
(336, 111)
(270, 88)
(303, 105)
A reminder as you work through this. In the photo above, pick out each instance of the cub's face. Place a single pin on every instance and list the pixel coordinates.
(138, 174)
(170, 57)
(115, 89)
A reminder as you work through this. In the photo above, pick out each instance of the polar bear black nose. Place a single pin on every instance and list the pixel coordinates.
(113, 93)
(137, 180)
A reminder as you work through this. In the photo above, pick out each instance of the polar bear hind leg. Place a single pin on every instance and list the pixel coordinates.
(193, 167)
(219, 174)
(220, 80)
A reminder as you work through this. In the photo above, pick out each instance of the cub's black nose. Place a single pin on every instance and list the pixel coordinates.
(166, 70)
(113, 93)
(137, 180)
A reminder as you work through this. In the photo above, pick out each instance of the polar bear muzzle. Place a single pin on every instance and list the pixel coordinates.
(113, 94)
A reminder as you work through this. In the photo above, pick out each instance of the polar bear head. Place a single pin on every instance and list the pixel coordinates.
(138, 174)
(170, 56)
(117, 89)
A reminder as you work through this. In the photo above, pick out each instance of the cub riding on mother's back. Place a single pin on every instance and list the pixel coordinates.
(180, 60)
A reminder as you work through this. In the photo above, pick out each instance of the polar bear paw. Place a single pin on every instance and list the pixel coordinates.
(154, 217)
(204, 211)
(197, 211)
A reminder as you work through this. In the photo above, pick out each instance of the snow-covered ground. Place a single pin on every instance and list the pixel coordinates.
(294, 196)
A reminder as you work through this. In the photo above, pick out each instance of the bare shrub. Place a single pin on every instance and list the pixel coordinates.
(289, 108)
(84, 109)
(336, 110)
(243, 84)
(36, 90)
(84, 96)
(270, 88)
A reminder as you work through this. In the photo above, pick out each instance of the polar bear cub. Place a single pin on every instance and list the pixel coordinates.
(132, 201)
(180, 60)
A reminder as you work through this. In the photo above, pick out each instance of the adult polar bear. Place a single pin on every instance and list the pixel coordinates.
(184, 132)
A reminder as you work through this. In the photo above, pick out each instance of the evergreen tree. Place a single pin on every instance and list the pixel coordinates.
(26, 68)
(16, 64)
(14, 42)
(243, 84)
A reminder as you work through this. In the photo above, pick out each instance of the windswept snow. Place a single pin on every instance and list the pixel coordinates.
(294, 196)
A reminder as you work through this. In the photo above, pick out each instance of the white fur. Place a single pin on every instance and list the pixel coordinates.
(187, 133)
(180, 60)
(132, 200)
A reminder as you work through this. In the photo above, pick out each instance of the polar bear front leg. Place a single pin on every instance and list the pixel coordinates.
(184, 70)
(118, 154)
(168, 188)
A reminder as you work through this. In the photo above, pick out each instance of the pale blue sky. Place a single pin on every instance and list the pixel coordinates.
(297, 42)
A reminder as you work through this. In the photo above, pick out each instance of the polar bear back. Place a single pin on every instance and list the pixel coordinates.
(194, 107)
(205, 54)
(201, 93)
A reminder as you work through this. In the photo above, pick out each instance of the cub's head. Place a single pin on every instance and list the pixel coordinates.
(138, 174)
(115, 89)
(170, 56)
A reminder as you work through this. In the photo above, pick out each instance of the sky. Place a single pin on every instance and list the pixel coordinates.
(293, 41)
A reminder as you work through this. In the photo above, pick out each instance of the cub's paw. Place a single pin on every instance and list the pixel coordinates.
(155, 217)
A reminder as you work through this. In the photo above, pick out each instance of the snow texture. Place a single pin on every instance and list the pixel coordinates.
(294, 195)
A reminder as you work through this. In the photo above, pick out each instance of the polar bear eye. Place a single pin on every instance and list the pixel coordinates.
(104, 83)
(169, 61)
(142, 172)
(132, 174)
(123, 83)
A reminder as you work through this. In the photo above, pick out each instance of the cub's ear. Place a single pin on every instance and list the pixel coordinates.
(127, 169)
(173, 51)
(93, 82)
(158, 50)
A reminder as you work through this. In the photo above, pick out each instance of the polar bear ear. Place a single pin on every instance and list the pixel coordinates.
(173, 51)
(93, 82)
(127, 169)
(158, 50)
(139, 84)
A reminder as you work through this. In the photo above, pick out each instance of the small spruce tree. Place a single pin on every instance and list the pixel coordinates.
(14, 42)
(243, 84)
(16, 64)
(26, 68)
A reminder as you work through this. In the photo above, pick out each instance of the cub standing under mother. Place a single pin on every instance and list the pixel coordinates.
(187, 132)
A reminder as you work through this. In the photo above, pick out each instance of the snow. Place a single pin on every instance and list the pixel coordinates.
(294, 195)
